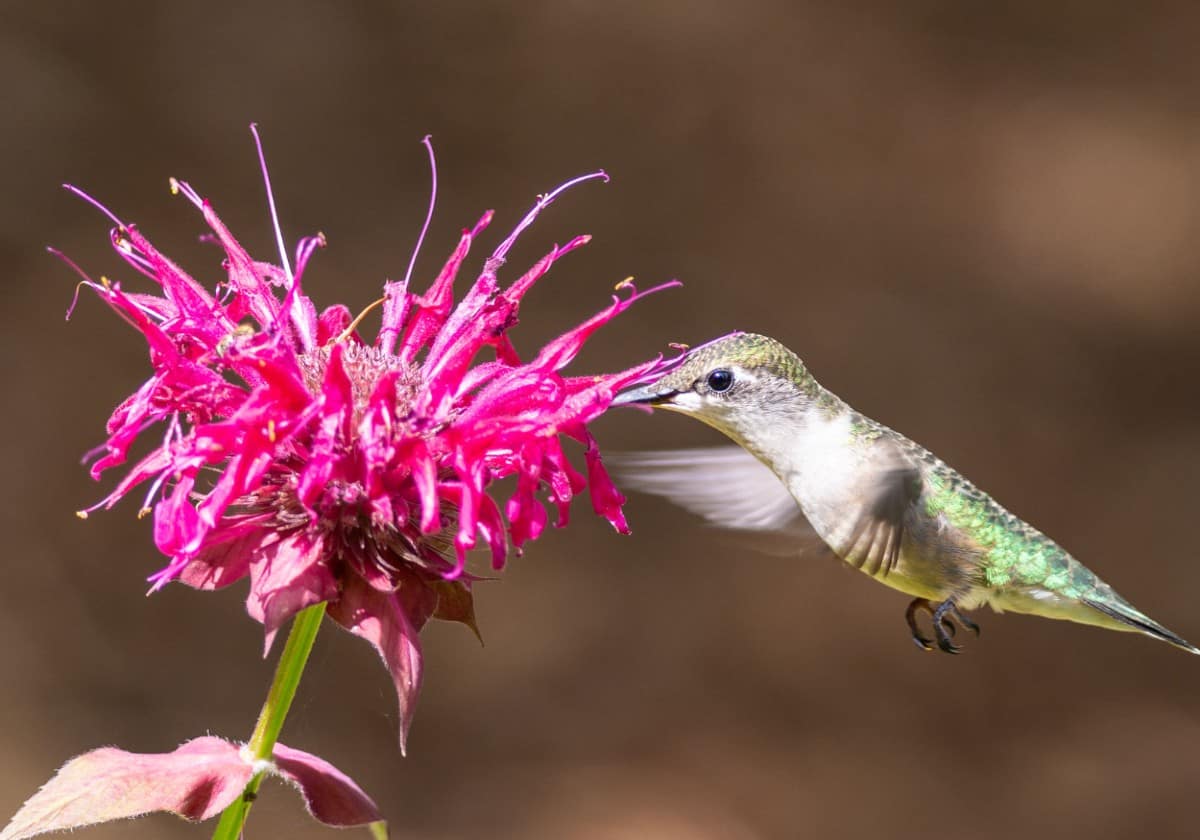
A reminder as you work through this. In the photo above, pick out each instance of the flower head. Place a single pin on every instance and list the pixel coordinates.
(328, 468)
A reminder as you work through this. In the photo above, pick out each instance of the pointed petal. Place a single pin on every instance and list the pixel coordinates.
(287, 577)
(396, 302)
(176, 524)
(332, 323)
(383, 620)
(435, 305)
(563, 349)
(424, 477)
(196, 781)
(178, 286)
(606, 498)
(227, 552)
(330, 796)
(254, 294)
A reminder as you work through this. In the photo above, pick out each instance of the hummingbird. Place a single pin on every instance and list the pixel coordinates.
(880, 502)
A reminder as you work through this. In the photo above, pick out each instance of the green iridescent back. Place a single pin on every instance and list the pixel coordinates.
(1015, 553)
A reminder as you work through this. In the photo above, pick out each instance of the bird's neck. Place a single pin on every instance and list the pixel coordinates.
(817, 457)
(801, 439)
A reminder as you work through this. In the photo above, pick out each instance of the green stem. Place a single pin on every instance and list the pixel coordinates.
(261, 746)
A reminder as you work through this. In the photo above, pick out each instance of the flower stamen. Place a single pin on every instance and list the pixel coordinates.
(412, 261)
(349, 331)
(262, 162)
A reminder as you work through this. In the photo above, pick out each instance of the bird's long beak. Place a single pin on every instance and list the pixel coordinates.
(654, 394)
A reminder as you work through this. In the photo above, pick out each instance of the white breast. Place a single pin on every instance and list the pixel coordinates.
(821, 470)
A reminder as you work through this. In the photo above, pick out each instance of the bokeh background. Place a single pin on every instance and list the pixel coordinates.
(976, 223)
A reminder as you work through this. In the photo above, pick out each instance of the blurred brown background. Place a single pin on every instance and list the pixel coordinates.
(977, 225)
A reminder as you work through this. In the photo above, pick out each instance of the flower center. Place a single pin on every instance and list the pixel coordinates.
(346, 511)
(364, 366)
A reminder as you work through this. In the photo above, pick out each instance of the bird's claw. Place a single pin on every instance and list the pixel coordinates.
(944, 616)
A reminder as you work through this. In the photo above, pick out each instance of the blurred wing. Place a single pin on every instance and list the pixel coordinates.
(725, 484)
(877, 531)
(731, 488)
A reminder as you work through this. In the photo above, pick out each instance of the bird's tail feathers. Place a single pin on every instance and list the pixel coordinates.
(1134, 620)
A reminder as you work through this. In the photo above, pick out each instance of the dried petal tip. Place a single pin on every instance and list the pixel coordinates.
(326, 467)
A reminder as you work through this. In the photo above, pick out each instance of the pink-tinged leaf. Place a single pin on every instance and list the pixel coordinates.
(331, 796)
(196, 781)
(381, 619)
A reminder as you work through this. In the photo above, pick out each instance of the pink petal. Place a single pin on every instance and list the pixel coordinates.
(177, 527)
(333, 323)
(330, 796)
(227, 552)
(434, 307)
(332, 431)
(518, 289)
(526, 515)
(606, 498)
(186, 294)
(196, 781)
(254, 295)
(287, 577)
(563, 349)
(396, 301)
(424, 477)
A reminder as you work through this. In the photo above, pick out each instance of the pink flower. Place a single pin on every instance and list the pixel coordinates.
(328, 468)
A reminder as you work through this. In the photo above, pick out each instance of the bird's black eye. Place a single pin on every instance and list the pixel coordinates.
(720, 380)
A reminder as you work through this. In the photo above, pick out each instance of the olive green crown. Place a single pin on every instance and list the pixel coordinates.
(747, 350)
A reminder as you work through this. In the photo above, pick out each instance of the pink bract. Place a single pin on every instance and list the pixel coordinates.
(328, 468)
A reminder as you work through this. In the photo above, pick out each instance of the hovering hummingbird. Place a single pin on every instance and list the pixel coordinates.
(882, 503)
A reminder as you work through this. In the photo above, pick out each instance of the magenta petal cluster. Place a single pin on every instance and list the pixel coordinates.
(329, 468)
(196, 781)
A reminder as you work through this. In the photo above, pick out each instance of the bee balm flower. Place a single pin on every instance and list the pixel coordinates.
(327, 468)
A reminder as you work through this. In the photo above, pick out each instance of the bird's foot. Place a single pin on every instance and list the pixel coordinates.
(944, 615)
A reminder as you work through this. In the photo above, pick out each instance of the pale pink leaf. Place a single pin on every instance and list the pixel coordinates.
(196, 781)
(330, 796)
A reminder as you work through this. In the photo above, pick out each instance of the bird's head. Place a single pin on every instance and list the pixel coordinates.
(742, 384)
